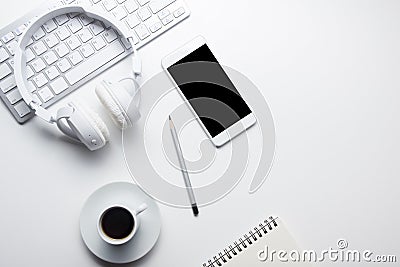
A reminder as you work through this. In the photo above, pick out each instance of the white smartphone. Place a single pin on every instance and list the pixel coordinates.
(210, 93)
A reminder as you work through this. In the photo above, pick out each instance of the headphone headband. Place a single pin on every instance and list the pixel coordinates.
(21, 59)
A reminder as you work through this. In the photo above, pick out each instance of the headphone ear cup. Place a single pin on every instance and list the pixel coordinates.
(111, 105)
(133, 89)
(116, 100)
(98, 123)
(88, 127)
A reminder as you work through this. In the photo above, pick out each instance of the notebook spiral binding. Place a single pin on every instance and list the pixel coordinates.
(238, 246)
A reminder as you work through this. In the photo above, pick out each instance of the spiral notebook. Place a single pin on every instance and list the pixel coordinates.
(257, 248)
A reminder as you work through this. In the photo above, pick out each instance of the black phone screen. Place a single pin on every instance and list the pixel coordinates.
(209, 90)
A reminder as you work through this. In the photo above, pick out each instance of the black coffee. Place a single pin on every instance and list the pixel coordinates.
(117, 223)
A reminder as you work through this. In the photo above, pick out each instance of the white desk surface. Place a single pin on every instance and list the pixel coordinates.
(328, 69)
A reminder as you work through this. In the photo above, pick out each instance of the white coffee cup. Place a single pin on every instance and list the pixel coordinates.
(118, 224)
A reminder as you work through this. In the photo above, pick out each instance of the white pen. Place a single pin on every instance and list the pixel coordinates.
(185, 174)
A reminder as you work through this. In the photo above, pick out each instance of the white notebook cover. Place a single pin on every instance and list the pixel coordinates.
(274, 235)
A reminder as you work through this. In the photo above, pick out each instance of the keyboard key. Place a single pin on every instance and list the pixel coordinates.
(63, 33)
(90, 65)
(55, 4)
(155, 27)
(7, 84)
(143, 2)
(39, 34)
(29, 55)
(38, 65)
(3, 55)
(142, 31)
(40, 80)
(167, 20)
(99, 43)
(87, 50)
(73, 43)
(12, 47)
(157, 5)
(14, 96)
(131, 6)
(50, 26)
(39, 48)
(59, 85)
(85, 35)
(22, 109)
(20, 30)
(85, 19)
(73, 15)
(51, 40)
(133, 21)
(8, 37)
(163, 13)
(179, 12)
(61, 19)
(119, 13)
(144, 13)
(4, 70)
(50, 57)
(63, 65)
(109, 4)
(62, 50)
(75, 58)
(110, 35)
(52, 72)
(96, 27)
(74, 25)
(29, 72)
(45, 94)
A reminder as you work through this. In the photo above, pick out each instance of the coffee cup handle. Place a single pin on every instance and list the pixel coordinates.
(141, 208)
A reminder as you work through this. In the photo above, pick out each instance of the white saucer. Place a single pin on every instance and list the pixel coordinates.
(129, 195)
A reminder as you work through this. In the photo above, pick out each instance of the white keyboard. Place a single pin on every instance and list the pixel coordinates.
(70, 50)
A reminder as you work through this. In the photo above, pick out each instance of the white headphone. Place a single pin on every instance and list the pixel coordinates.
(74, 120)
